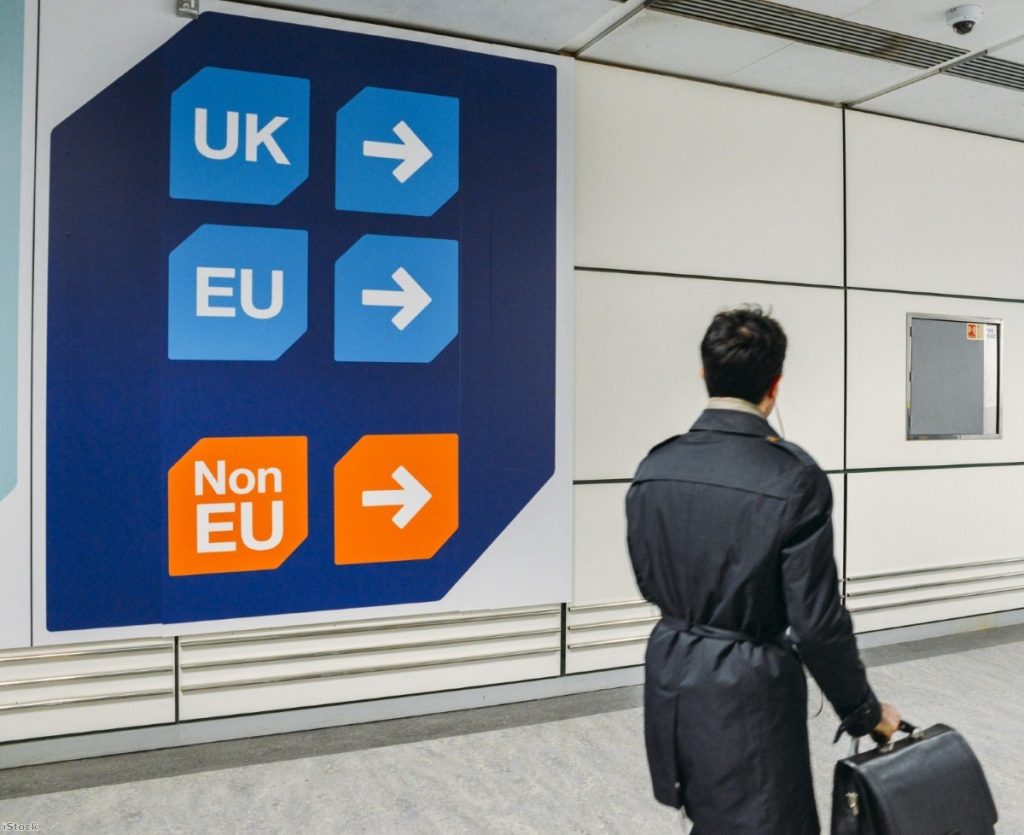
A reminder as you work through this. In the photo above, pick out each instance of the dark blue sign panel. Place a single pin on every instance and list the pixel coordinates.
(301, 324)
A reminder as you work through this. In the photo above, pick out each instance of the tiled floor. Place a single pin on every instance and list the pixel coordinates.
(572, 764)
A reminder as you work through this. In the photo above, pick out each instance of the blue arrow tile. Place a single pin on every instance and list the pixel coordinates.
(380, 288)
(397, 152)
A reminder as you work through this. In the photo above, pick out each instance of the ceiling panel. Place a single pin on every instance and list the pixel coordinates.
(546, 24)
(378, 10)
(820, 74)
(834, 8)
(1011, 53)
(927, 19)
(681, 46)
(956, 102)
(541, 24)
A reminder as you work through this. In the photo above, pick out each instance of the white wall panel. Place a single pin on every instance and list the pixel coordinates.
(951, 536)
(62, 690)
(681, 177)
(933, 209)
(249, 672)
(602, 571)
(75, 33)
(608, 622)
(877, 387)
(638, 364)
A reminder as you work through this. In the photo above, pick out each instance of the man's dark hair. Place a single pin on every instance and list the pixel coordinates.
(742, 351)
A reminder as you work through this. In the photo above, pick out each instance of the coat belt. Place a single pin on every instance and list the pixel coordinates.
(703, 630)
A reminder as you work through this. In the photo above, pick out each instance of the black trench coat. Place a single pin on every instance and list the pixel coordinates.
(730, 534)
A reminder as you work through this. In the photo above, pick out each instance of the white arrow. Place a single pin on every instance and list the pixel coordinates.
(412, 497)
(412, 299)
(411, 150)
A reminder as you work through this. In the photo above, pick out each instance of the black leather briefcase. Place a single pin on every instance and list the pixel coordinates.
(927, 783)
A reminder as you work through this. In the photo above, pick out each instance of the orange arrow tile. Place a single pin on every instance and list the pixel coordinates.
(396, 497)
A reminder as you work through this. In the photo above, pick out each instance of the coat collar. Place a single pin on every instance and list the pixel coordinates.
(729, 420)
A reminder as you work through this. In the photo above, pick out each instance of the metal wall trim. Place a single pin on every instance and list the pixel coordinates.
(938, 584)
(608, 643)
(337, 653)
(334, 629)
(943, 599)
(79, 677)
(12, 658)
(84, 700)
(934, 569)
(197, 688)
(618, 604)
(612, 624)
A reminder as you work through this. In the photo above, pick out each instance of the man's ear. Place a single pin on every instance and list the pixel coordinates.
(702, 373)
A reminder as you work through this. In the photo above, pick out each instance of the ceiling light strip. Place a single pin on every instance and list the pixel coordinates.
(991, 71)
(814, 29)
(820, 30)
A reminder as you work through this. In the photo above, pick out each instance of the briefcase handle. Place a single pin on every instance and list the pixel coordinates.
(911, 731)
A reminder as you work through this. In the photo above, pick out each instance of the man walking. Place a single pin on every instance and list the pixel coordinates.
(730, 534)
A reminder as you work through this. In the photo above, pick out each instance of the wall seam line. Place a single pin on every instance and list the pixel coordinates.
(965, 296)
(845, 287)
(846, 358)
(32, 340)
(913, 468)
(698, 277)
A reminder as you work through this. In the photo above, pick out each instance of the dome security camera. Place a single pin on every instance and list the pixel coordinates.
(963, 18)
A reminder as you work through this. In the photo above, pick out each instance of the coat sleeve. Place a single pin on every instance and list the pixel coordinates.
(636, 541)
(820, 624)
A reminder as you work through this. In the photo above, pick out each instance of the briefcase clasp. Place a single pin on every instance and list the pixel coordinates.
(853, 802)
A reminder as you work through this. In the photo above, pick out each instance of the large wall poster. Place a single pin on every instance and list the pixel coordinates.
(302, 330)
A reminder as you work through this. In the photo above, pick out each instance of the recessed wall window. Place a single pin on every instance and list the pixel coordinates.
(953, 377)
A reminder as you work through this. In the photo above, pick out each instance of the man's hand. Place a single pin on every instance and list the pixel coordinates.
(889, 724)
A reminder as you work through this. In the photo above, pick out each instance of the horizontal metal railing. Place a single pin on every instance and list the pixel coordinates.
(618, 604)
(383, 668)
(362, 628)
(613, 624)
(85, 700)
(937, 584)
(856, 594)
(367, 650)
(80, 651)
(934, 569)
(609, 642)
(940, 599)
(78, 678)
